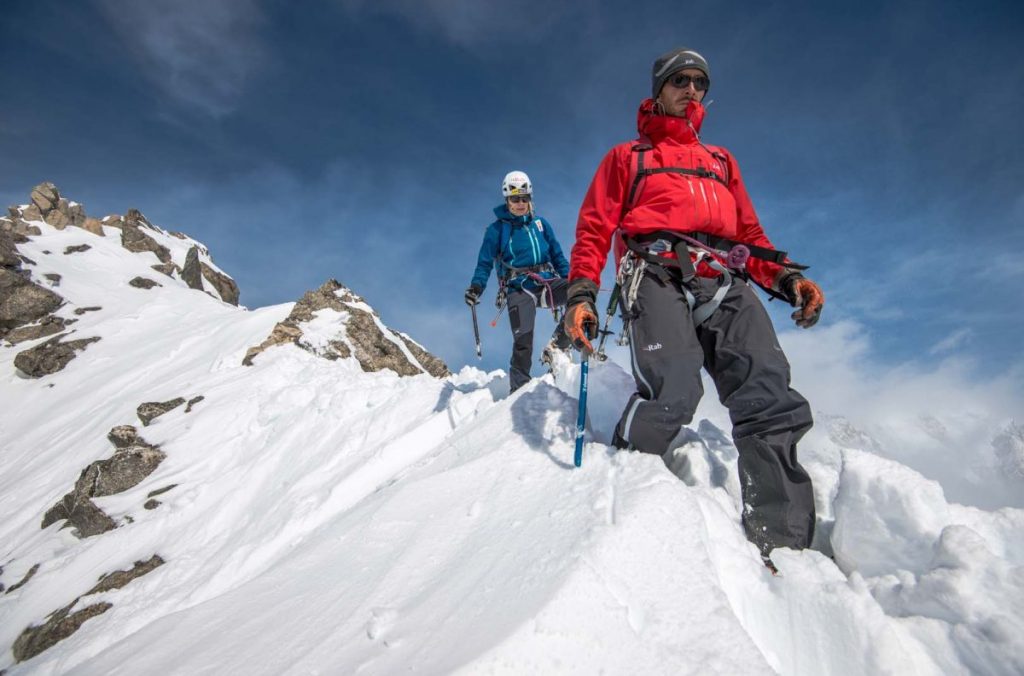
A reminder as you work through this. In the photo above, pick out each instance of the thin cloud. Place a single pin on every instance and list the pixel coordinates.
(198, 52)
(467, 23)
(951, 342)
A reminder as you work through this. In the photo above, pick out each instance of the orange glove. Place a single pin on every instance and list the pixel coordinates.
(581, 325)
(807, 297)
(580, 319)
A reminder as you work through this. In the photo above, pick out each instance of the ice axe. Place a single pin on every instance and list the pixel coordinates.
(476, 333)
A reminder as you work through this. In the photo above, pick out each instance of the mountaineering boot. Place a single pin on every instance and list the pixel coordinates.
(552, 352)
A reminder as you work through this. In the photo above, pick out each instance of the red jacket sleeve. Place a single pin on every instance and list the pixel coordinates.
(599, 215)
(749, 228)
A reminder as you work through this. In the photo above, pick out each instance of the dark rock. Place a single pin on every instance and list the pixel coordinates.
(143, 283)
(193, 401)
(57, 627)
(373, 351)
(22, 301)
(53, 277)
(135, 240)
(149, 410)
(225, 286)
(191, 273)
(76, 213)
(57, 219)
(45, 197)
(81, 513)
(284, 332)
(94, 226)
(31, 213)
(28, 576)
(435, 366)
(121, 578)
(125, 436)
(91, 308)
(8, 252)
(133, 218)
(161, 491)
(76, 249)
(151, 504)
(50, 357)
(62, 623)
(48, 326)
(134, 459)
(167, 268)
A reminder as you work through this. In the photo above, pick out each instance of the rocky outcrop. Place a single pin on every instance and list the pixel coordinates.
(135, 240)
(167, 268)
(192, 402)
(94, 226)
(63, 623)
(152, 503)
(143, 283)
(25, 580)
(150, 410)
(134, 459)
(434, 365)
(138, 235)
(47, 326)
(22, 301)
(225, 286)
(58, 626)
(359, 334)
(51, 356)
(191, 273)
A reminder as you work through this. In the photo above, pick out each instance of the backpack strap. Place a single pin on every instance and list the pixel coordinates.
(636, 173)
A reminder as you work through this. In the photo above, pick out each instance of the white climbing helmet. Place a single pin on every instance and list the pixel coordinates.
(516, 183)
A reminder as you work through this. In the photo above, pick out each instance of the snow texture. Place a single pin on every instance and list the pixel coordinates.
(326, 520)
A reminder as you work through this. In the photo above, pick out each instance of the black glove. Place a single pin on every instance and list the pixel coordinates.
(804, 295)
(473, 294)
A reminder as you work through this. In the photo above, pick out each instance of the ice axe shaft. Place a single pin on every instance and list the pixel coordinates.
(581, 415)
(476, 333)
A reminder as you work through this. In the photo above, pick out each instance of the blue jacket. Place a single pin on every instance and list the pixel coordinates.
(518, 242)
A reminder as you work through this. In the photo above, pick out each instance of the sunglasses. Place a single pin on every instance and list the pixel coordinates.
(700, 83)
(516, 199)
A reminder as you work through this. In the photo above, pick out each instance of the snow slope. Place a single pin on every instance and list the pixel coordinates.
(325, 520)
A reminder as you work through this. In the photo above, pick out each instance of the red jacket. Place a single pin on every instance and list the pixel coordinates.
(667, 201)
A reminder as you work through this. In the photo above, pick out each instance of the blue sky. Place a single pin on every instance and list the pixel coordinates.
(366, 141)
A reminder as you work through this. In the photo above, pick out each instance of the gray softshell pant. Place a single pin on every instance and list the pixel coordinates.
(522, 314)
(738, 347)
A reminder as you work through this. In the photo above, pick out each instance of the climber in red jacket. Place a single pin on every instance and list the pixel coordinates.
(688, 243)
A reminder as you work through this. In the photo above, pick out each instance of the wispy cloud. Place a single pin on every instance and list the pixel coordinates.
(951, 342)
(198, 52)
(467, 23)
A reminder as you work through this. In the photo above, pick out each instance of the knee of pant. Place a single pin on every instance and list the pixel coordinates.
(671, 413)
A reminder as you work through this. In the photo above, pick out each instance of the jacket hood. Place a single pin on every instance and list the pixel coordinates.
(657, 127)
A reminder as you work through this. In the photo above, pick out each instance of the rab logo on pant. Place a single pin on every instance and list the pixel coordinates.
(652, 348)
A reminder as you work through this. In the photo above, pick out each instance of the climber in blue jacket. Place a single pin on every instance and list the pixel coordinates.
(531, 271)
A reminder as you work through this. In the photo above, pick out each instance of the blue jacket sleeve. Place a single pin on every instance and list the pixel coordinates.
(557, 257)
(485, 260)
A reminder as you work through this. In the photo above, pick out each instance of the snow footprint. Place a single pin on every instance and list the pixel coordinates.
(381, 621)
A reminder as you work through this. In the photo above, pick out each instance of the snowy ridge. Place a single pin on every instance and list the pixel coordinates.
(324, 519)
